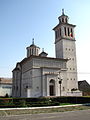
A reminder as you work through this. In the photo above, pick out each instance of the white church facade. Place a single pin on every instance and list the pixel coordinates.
(38, 75)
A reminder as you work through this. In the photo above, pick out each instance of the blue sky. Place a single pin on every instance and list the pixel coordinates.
(22, 20)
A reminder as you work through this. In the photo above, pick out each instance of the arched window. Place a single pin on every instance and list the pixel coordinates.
(52, 81)
(52, 87)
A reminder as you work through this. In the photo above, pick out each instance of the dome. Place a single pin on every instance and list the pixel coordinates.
(32, 49)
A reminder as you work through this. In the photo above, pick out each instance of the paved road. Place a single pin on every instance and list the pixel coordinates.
(73, 115)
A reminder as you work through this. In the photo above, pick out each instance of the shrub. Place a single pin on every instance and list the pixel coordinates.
(43, 101)
(22, 103)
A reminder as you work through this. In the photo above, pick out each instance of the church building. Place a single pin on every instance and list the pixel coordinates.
(38, 75)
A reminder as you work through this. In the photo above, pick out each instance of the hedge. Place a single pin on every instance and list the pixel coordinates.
(42, 101)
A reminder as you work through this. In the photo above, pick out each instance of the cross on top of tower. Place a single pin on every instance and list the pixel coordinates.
(42, 49)
(62, 11)
(33, 41)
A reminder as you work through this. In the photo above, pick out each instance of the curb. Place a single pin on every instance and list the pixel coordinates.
(32, 108)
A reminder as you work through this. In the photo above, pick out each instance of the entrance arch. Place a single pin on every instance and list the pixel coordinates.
(52, 87)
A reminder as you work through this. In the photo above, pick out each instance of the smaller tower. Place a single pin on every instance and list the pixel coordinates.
(43, 54)
(32, 49)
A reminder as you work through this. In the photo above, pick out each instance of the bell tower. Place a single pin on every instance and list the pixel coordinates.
(65, 48)
(63, 32)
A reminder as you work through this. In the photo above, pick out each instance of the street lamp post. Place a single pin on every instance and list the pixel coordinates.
(60, 82)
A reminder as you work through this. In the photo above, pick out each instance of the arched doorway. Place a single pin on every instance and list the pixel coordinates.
(52, 87)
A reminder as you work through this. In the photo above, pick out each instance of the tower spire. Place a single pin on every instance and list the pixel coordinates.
(33, 41)
(62, 11)
(42, 49)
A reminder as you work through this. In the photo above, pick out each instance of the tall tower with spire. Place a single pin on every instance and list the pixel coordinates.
(65, 48)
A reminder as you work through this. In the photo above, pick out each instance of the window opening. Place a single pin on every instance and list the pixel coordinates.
(65, 31)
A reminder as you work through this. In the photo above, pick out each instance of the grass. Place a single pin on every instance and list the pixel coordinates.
(44, 110)
(66, 104)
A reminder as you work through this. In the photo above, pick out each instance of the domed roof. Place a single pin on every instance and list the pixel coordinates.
(33, 45)
(63, 18)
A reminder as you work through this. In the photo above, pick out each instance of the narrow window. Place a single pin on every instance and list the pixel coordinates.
(27, 52)
(68, 31)
(66, 20)
(62, 19)
(65, 30)
(32, 51)
(60, 31)
(17, 88)
(37, 51)
(71, 34)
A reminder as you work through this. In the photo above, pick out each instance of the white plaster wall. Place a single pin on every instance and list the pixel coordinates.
(16, 83)
(5, 89)
(36, 79)
(54, 74)
(53, 63)
(26, 82)
(70, 52)
(59, 49)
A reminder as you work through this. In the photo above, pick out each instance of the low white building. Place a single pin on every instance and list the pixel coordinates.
(38, 75)
(5, 87)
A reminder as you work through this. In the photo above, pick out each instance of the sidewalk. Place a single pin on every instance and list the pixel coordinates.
(32, 108)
